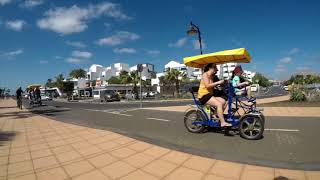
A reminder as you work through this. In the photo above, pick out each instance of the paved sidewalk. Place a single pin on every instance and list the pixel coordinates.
(35, 147)
(268, 111)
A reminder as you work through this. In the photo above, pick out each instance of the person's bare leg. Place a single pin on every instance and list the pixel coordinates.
(214, 102)
(223, 102)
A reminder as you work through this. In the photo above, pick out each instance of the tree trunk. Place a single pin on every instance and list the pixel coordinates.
(135, 91)
(177, 88)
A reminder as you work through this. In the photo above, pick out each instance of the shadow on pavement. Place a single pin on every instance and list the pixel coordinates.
(6, 136)
(31, 113)
(48, 112)
(281, 178)
(8, 107)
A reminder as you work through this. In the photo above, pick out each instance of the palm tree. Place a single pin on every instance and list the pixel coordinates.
(78, 73)
(59, 81)
(134, 79)
(173, 76)
(124, 77)
(50, 83)
(153, 74)
(114, 80)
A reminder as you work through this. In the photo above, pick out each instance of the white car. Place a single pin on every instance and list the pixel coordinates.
(286, 88)
(45, 98)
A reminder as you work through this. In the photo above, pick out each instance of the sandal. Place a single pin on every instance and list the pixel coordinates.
(225, 124)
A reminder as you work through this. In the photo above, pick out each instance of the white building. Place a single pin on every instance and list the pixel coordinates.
(248, 75)
(225, 70)
(146, 71)
(118, 67)
(95, 72)
(79, 83)
(192, 73)
(156, 81)
(98, 72)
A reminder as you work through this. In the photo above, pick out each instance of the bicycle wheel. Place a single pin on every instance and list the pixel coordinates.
(190, 118)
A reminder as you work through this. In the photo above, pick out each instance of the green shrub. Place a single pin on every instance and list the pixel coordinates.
(297, 95)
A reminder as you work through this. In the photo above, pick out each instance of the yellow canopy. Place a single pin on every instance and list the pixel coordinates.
(34, 86)
(240, 55)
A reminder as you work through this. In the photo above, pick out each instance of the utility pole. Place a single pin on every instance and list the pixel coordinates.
(140, 69)
(140, 91)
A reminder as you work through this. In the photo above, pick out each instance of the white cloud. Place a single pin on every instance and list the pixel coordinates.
(293, 51)
(72, 60)
(196, 44)
(236, 42)
(32, 3)
(280, 66)
(179, 43)
(4, 2)
(124, 50)
(81, 54)
(75, 19)
(13, 53)
(285, 60)
(153, 52)
(118, 38)
(280, 70)
(77, 44)
(15, 25)
(43, 62)
(303, 69)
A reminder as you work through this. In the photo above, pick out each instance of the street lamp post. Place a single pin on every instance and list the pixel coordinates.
(193, 31)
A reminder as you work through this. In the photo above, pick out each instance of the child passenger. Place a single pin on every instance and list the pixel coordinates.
(240, 88)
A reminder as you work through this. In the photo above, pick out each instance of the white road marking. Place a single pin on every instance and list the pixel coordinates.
(117, 113)
(135, 109)
(285, 130)
(110, 112)
(157, 119)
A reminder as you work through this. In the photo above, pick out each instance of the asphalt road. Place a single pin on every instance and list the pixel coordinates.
(289, 142)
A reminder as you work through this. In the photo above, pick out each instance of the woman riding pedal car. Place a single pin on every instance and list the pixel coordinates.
(207, 94)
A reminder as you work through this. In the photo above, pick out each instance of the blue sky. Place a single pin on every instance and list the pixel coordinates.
(40, 38)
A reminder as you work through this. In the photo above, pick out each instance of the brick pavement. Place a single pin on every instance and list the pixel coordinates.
(33, 147)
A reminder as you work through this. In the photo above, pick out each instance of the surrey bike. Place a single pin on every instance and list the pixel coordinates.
(245, 117)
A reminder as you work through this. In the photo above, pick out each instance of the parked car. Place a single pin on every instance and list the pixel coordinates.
(45, 97)
(254, 87)
(122, 95)
(148, 94)
(286, 88)
(130, 96)
(110, 95)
